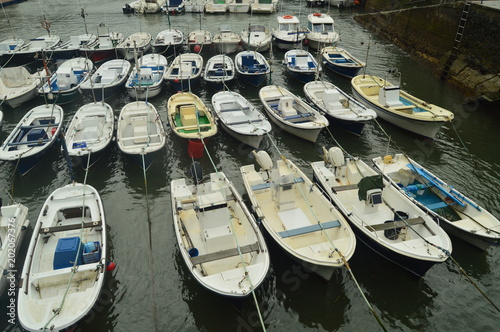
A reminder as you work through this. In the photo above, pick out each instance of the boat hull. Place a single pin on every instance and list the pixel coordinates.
(61, 97)
(250, 140)
(144, 92)
(342, 70)
(303, 77)
(19, 100)
(307, 134)
(253, 79)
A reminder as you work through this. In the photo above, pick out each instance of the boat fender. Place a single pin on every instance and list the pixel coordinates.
(110, 266)
(287, 17)
(193, 252)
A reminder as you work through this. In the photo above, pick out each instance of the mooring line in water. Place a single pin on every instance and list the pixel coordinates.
(243, 263)
(346, 264)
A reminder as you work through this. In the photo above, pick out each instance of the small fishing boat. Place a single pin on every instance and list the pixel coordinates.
(30, 51)
(146, 79)
(256, 38)
(298, 216)
(289, 34)
(37, 131)
(399, 107)
(226, 41)
(216, 6)
(291, 113)
(108, 79)
(252, 67)
(140, 133)
(340, 108)
(382, 217)
(137, 43)
(194, 6)
(64, 85)
(200, 41)
(173, 7)
(105, 48)
(189, 117)
(18, 85)
(65, 265)
(217, 235)
(71, 48)
(321, 32)
(89, 133)
(142, 7)
(239, 118)
(340, 61)
(456, 213)
(13, 224)
(301, 65)
(184, 71)
(238, 6)
(263, 6)
(8, 48)
(219, 71)
(169, 42)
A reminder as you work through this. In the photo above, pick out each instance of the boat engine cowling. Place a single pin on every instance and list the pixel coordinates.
(263, 159)
(335, 156)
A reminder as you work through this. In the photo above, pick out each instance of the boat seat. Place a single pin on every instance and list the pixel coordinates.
(188, 115)
(140, 129)
(285, 106)
(267, 185)
(225, 254)
(108, 76)
(395, 224)
(331, 99)
(435, 206)
(309, 229)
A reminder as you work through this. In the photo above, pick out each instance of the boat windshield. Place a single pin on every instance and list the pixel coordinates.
(288, 27)
(320, 27)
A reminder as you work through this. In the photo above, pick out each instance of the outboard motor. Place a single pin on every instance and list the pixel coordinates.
(196, 172)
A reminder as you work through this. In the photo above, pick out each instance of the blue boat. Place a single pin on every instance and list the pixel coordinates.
(340, 61)
(301, 65)
(252, 67)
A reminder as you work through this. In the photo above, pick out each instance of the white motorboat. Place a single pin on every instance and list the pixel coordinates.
(136, 44)
(143, 7)
(264, 6)
(146, 79)
(173, 7)
(321, 31)
(140, 133)
(298, 216)
(65, 265)
(289, 34)
(37, 131)
(239, 118)
(382, 217)
(13, 224)
(184, 71)
(200, 41)
(340, 108)
(216, 6)
(18, 85)
(105, 48)
(168, 42)
(217, 235)
(108, 79)
(399, 107)
(458, 214)
(30, 50)
(301, 65)
(89, 133)
(71, 48)
(238, 6)
(291, 113)
(219, 70)
(256, 38)
(226, 41)
(194, 6)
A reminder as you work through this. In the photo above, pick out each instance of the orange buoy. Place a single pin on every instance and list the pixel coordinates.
(110, 267)
(287, 17)
(317, 14)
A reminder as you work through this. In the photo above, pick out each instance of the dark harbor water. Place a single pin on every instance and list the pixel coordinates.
(152, 290)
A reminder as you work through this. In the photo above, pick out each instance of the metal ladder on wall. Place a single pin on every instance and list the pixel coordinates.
(458, 39)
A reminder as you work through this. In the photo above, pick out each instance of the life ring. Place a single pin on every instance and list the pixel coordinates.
(287, 17)
(46, 25)
(317, 14)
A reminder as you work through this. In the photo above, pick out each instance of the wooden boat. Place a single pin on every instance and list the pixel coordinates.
(263, 6)
(252, 67)
(289, 34)
(226, 41)
(140, 133)
(13, 224)
(298, 216)
(321, 31)
(458, 214)
(37, 131)
(301, 65)
(169, 42)
(65, 265)
(108, 79)
(340, 108)
(189, 117)
(219, 71)
(291, 113)
(146, 79)
(227, 257)
(340, 61)
(105, 48)
(173, 7)
(200, 41)
(194, 6)
(71, 48)
(18, 85)
(64, 85)
(256, 38)
(184, 71)
(382, 217)
(239, 118)
(399, 107)
(137, 43)
(238, 6)
(216, 6)
(89, 133)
